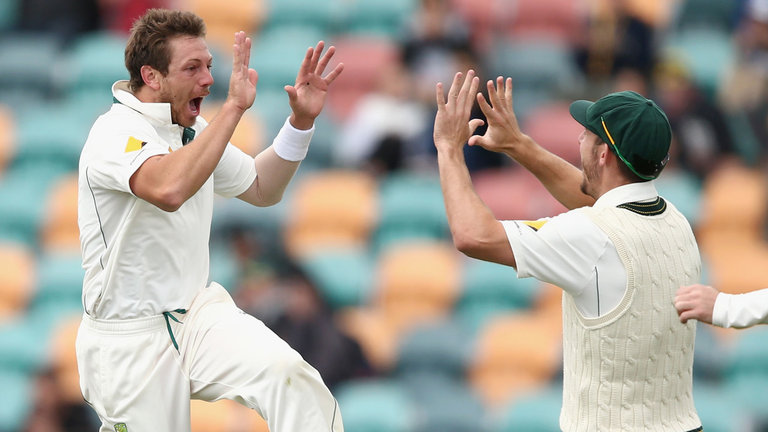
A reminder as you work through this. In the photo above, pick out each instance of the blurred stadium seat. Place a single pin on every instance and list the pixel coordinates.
(29, 60)
(329, 209)
(16, 400)
(17, 278)
(552, 126)
(513, 193)
(445, 405)
(324, 16)
(535, 411)
(343, 275)
(222, 22)
(563, 20)
(7, 137)
(417, 282)
(439, 349)
(515, 354)
(277, 53)
(378, 405)
(410, 208)
(489, 290)
(59, 230)
(376, 17)
(93, 63)
(224, 416)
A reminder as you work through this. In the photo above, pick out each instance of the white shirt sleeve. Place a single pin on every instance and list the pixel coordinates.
(563, 250)
(741, 310)
(119, 156)
(234, 173)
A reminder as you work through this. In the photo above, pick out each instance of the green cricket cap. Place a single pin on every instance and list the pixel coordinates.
(634, 127)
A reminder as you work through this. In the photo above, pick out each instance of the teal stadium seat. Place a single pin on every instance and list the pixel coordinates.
(489, 290)
(445, 405)
(683, 190)
(708, 55)
(377, 405)
(541, 67)
(56, 141)
(276, 54)
(9, 13)
(344, 276)
(23, 192)
(410, 207)
(59, 281)
(324, 16)
(28, 60)
(377, 17)
(438, 349)
(16, 399)
(718, 411)
(537, 411)
(719, 15)
(94, 62)
(746, 371)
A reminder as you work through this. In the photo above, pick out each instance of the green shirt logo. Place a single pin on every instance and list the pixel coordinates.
(121, 427)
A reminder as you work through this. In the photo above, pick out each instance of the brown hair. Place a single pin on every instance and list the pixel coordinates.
(148, 42)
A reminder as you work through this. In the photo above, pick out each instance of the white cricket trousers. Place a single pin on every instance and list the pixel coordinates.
(137, 381)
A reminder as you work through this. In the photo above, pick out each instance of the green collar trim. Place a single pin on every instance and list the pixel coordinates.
(653, 208)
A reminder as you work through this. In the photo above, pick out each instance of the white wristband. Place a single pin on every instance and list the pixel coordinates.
(292, 144)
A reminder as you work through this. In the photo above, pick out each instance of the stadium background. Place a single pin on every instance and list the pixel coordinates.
(355, 267)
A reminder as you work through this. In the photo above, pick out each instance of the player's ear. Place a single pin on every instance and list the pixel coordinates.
(151, 77)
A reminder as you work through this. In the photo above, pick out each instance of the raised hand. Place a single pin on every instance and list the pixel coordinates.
(452, 124)
(307, 96)
(242, 82)
(503, 130)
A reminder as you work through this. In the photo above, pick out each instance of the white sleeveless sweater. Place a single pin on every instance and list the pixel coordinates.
(631, 369)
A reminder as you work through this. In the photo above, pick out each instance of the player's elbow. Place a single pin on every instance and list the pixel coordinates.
(466, 243)
(169, 199)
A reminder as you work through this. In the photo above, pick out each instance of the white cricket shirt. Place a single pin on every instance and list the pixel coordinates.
(140, 260)
(571, 252)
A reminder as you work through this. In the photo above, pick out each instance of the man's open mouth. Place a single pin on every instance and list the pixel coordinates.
(194, 106)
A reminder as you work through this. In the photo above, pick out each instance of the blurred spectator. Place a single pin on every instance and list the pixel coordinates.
(433, 38)
(621, 37)
(52, 413)
(118, 15)
(379, 131)
(305, 322)
(701, 138)
(65, 19)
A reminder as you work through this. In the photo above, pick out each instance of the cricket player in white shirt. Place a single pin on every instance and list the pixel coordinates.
(155, 333)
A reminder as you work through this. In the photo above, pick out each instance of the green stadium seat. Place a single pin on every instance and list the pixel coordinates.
(377, 405)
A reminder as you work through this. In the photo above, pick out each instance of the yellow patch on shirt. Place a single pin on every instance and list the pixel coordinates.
(134, 144)
(536, 225)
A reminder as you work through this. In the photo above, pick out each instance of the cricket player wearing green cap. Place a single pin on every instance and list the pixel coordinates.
(619, 253)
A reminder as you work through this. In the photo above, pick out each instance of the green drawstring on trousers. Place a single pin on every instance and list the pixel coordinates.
(168, 324)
